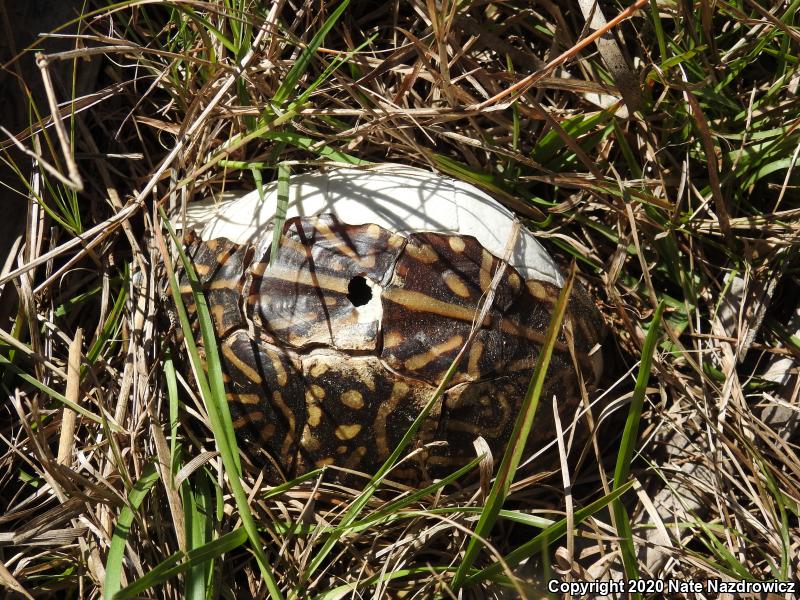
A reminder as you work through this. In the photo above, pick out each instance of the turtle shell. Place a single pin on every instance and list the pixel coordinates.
(331, 350)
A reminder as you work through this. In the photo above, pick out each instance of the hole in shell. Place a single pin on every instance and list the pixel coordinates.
(358, 292)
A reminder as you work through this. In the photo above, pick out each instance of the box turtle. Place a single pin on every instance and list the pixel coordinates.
(330, 350)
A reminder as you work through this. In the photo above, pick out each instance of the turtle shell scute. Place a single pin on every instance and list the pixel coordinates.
(302, 297)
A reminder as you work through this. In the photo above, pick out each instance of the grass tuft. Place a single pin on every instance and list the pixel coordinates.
(653, 143)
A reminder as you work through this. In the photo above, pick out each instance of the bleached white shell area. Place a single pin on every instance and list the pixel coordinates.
(398, 198)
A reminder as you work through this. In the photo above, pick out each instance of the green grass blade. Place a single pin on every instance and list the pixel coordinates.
(351, 590)
(56, 395)
(180, 562)
(289, 84)
(729, 563)
(519, 437)
(369, 490)
(112, 324)
(122, 529)
(206, 26)
(549, 535)
(780, 503)
(308, 143)
(628, 444)
(282, 203)
(197, 511)
(212, 391)
(397, 505)
(323, 77)
(659, 30)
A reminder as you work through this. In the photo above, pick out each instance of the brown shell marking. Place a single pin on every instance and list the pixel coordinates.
(220, 266)
(302, 299)
(341, 427)
(486, 409)
(429, 311)
(260, 370)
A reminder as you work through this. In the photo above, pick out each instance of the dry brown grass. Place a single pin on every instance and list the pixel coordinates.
(687, 195)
